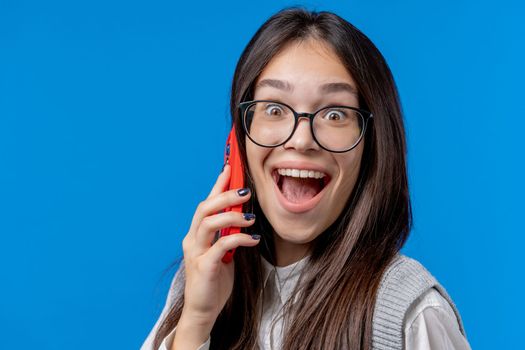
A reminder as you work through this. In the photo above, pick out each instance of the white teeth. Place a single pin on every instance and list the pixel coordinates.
(301, 173)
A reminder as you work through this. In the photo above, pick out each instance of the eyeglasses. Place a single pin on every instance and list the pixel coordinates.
(336, 129)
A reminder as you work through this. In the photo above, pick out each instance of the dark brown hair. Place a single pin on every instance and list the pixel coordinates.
(338, 287)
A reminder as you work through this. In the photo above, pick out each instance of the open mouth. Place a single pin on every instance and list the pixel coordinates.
(299, 185)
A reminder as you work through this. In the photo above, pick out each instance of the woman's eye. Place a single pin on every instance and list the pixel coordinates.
(334, 115)
(274, 110)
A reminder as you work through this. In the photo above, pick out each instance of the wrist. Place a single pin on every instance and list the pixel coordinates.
(192, 331)
(197, 320)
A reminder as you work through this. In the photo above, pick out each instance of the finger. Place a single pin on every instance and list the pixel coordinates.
(222, 181)
(211, 224)
(220, 184)
(217, 251)
(217, 203)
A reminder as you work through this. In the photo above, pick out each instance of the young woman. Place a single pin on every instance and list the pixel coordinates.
(326, 205)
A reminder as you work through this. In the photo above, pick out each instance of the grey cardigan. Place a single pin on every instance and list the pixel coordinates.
(402, 283)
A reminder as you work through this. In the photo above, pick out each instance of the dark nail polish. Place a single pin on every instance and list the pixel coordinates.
(248, 216)
(243, 192)
(256, 237)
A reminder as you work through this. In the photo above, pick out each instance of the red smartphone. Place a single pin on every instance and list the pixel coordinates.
(233, 157)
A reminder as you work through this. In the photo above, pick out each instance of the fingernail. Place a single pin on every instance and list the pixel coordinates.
(243, 192)
(256, 237)
(248, 216)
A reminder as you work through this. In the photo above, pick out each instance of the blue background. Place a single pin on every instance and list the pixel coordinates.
(102, 163)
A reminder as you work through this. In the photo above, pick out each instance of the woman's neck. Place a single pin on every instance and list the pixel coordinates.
(288, 253)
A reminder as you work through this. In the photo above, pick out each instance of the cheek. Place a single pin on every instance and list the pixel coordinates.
(350, 165)
(251, 156)
(255, 156)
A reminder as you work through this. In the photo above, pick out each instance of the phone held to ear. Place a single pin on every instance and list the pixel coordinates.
(233, 157)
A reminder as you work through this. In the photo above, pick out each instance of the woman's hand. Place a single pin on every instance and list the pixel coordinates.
(209, 281)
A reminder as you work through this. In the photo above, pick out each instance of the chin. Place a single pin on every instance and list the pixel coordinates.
(296, 234)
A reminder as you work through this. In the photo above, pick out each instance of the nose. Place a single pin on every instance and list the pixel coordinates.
(302, 139)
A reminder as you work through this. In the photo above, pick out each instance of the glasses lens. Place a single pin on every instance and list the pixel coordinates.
(338, 128)
(269, 123)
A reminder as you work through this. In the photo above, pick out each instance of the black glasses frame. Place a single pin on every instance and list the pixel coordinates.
(365, 115)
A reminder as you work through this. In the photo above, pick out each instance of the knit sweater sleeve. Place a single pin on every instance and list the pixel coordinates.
(402, 286)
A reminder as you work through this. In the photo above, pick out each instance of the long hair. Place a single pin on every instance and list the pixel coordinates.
(338, 286)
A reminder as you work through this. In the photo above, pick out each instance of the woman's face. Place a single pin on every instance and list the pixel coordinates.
(298, 209)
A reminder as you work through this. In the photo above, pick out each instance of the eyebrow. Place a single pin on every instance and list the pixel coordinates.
(325, 88)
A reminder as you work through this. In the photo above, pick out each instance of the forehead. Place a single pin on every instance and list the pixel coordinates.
(310, 62)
